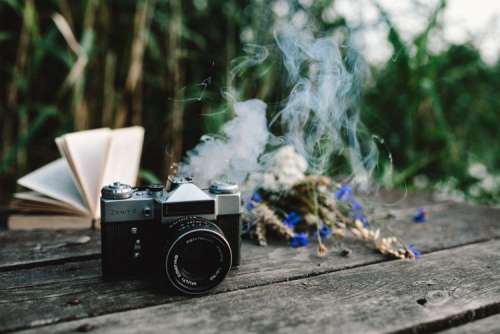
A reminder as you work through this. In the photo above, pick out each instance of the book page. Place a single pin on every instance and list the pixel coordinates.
(54, 180)
(34, 200)
(32, 207)
(124, 156)
(63, 150)
(41, 200)
(86, 152)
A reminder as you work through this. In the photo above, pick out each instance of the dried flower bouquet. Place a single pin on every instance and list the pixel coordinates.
(293, 206)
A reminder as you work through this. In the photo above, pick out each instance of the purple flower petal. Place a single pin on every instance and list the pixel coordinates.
(420, 216)
(325, 232)
(415, 251)
(344, 190)
(292, 219)
(256, 198)
(299, 240)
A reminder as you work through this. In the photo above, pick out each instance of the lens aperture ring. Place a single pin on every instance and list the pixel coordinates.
(199, 257)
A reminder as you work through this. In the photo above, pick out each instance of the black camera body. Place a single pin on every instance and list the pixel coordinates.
(178, 233)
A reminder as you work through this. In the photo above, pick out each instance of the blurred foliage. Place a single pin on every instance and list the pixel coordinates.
(174, 67)
(437, 112)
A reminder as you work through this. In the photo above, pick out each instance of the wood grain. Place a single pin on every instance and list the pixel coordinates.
(44, 271)
(23, 248)
(40, 295)
(20, 249)
(53, 286)
(432, 294)
(483, 326)
(460, 223)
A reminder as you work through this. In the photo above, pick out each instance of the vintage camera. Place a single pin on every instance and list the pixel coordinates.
(179, 233)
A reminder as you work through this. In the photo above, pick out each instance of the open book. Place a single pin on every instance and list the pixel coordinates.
(90, 159)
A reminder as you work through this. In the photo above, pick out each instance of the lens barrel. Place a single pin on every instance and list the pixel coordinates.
(198, 257)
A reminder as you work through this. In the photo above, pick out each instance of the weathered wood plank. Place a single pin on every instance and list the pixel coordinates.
(29, 248)
(483, 326)
(432, 294)
(40, 295)
(52, 286)
(460, 223)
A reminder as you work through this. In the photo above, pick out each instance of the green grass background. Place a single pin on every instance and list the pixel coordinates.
(167, 65)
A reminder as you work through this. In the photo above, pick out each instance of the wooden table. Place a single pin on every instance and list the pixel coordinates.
(50, 282)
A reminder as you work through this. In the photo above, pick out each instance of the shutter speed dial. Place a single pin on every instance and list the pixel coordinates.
(117, 190)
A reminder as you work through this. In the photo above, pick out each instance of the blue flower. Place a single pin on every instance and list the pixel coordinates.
(343, 191)
(299, 240)
(344, 194)
(355, 204)
(420, 216)
(415, 251)
(325, 232)
(256, 198)
(292, 219)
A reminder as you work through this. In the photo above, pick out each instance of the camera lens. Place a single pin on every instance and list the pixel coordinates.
(199, 256)
(199, 259)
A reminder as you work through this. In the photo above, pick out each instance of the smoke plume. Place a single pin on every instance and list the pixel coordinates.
(320, 117)
(234, 154)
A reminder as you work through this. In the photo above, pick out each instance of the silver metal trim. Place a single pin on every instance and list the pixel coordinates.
(223, 188)
(116, 190)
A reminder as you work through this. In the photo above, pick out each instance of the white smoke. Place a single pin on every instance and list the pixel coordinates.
(321, 118)
(235, 154)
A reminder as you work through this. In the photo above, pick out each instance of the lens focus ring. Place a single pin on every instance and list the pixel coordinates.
(198, 257)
